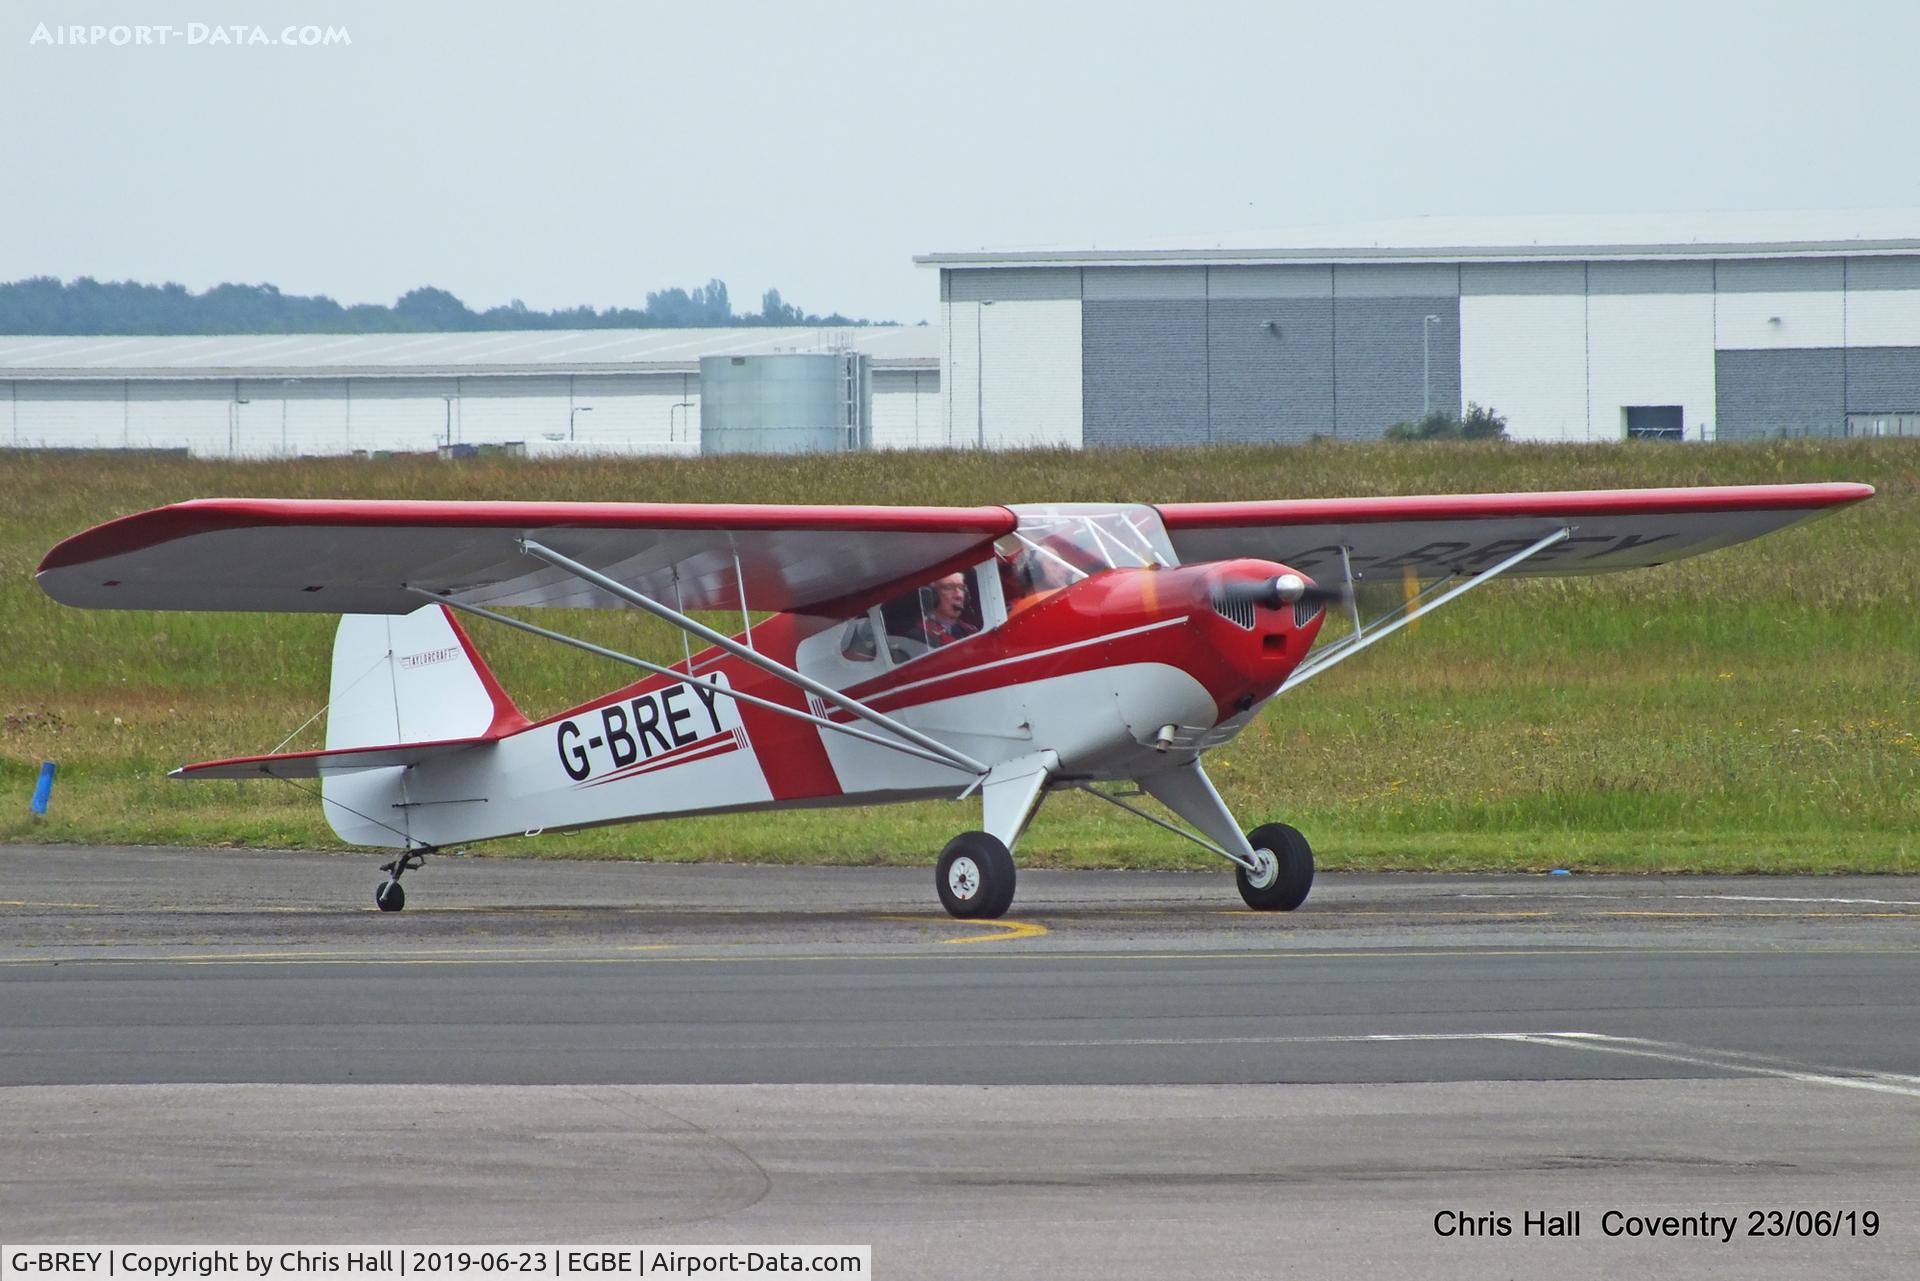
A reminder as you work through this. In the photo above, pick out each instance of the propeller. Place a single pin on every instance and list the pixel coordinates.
(1280, 590)
(1375, 599)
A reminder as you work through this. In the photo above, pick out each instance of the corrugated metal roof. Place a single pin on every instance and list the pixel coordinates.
(1506, 237)
(396, 355)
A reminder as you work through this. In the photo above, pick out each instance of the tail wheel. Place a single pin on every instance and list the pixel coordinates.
(975, 876)
(1284, 873)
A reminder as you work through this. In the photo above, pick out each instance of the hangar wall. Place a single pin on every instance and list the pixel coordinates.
(1191, 355)
(906, 410)
(1523, 345)
(560, 391)
(1649, 343)
(1817, 348)
(277, 417)
(1019, 337)
(288, 417)
(1573, 349)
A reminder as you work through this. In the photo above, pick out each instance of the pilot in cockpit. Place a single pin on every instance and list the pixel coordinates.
(943, 621)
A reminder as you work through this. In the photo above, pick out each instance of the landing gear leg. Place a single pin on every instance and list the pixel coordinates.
(1273, 865)
(388, 896)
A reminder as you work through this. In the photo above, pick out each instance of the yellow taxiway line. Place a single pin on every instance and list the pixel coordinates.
(1013, 930)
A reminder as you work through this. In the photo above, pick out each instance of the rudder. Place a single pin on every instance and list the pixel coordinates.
(412, 678)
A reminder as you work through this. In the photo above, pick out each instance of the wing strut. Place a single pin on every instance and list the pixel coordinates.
(948, 755)
(1419, 605)
(682, 677)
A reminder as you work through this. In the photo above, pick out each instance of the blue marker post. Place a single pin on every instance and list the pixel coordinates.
(43, 790)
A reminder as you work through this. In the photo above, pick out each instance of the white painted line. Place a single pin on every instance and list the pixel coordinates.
(1712, 898)
(1727, 1061)
(1135, 1042)
(1596, 1042)
(1778, 898)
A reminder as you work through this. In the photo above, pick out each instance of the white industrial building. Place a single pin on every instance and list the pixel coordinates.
(1704, 327)
(1592, 328)
(605, 390)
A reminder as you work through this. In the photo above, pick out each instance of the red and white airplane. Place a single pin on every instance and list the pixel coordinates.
(913, 652)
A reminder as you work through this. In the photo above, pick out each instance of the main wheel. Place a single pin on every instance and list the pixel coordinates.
(975, 876)
(389, 896)
(1285, 873)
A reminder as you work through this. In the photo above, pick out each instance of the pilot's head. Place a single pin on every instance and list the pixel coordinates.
(950, 596)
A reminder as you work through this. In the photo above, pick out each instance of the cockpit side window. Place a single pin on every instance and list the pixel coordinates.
(932, 617)
(857, 643)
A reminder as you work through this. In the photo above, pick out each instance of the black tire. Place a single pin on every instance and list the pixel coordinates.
(389, 897)
(1292, 879)
(981, 886)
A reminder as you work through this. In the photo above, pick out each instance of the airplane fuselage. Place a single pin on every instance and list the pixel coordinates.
(1121, 674)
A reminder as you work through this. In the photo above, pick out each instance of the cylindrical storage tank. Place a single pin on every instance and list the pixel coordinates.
(785, 404)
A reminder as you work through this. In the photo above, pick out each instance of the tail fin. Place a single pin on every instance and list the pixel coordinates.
(401, 679)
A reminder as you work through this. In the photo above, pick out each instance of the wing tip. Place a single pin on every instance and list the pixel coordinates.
(126, 533)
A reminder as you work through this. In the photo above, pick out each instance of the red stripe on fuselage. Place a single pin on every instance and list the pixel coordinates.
(718, 745)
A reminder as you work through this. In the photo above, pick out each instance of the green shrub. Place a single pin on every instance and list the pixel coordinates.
(1482, 422)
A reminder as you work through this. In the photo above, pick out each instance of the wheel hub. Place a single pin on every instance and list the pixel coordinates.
(963, 878)
(1265, 871)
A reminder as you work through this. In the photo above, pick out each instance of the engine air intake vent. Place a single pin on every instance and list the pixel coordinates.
(1237, 612)
(1305, 610)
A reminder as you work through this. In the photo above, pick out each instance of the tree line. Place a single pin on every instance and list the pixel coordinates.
(44, 305)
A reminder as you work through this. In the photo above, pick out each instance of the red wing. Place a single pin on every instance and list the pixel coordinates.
(356, 557)
(1455, 533)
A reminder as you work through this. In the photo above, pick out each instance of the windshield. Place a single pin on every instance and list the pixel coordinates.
(1058, 545)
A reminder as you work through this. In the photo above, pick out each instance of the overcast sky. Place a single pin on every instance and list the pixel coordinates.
(589, 152)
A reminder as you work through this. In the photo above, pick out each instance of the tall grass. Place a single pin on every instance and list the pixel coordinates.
(1755, 707)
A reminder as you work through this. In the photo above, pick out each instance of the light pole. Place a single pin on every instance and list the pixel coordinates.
(233, 420)
(573, 413)
(449, 433)
(1426, 366)
(980, 375)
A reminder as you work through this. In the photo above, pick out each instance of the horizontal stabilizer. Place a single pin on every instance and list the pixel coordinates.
(340, 760)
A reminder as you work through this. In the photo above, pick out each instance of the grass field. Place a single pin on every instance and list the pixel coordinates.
(1756, 709)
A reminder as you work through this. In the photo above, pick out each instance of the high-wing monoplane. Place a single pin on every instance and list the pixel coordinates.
(911, 652)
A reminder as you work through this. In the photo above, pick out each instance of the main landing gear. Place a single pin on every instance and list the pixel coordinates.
(388, 896)
(975, 876)
(1282, 870)
(1273, 864)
